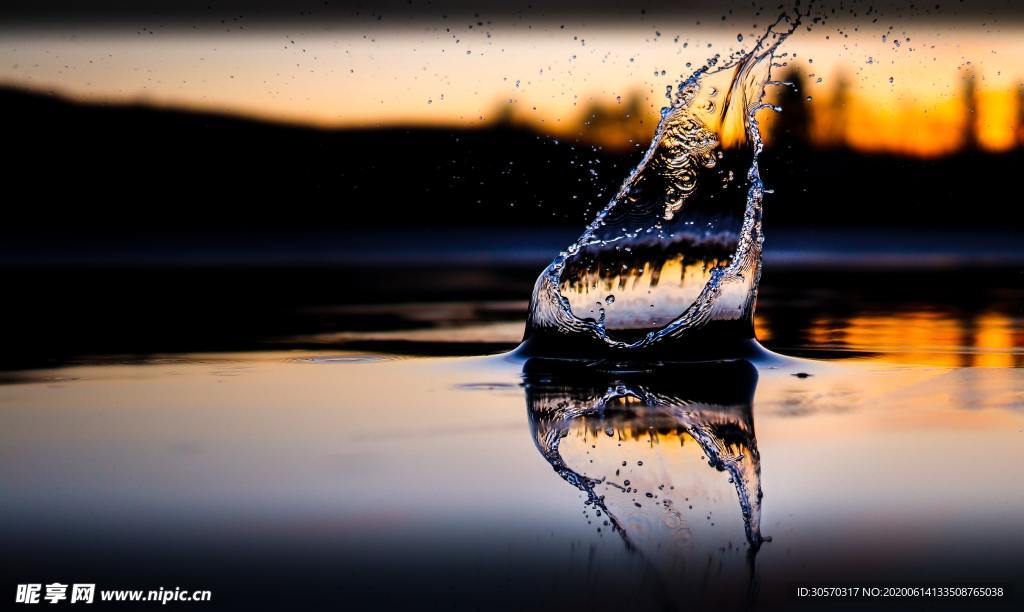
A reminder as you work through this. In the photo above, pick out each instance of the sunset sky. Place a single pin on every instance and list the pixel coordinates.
(905, 80)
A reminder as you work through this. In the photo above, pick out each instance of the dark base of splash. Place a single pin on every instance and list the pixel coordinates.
(724, 383)
(716, 341)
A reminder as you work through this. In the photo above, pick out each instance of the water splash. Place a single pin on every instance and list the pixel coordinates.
(674, 259)
(710, 403)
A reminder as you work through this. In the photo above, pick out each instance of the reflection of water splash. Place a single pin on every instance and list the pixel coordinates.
(710, 402)
(675, 257)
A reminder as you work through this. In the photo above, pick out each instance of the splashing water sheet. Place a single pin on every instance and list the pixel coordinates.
(672, 263)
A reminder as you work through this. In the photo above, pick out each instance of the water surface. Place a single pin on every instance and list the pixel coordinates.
(336, 475)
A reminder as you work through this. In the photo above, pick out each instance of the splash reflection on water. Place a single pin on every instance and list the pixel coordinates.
(422, 478)
(615, 409)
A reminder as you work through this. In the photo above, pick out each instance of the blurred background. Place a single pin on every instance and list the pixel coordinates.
(193, 176)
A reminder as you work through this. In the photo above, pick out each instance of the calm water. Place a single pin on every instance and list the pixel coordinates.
(332, 476)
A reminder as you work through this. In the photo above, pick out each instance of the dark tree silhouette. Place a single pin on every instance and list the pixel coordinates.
(1019, 131)
(792, 128)
(969, 138)
(616, 126)
(838, 111)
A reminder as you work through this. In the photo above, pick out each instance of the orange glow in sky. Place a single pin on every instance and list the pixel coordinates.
(905, 97)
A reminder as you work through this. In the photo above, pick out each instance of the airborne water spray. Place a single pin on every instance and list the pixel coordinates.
(672, 263)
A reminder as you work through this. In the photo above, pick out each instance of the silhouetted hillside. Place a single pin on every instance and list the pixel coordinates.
(108, 170)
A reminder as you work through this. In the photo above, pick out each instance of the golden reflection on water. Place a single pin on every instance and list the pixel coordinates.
(997, 336)
(989, 338)
(925, 337)
(762, 327)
